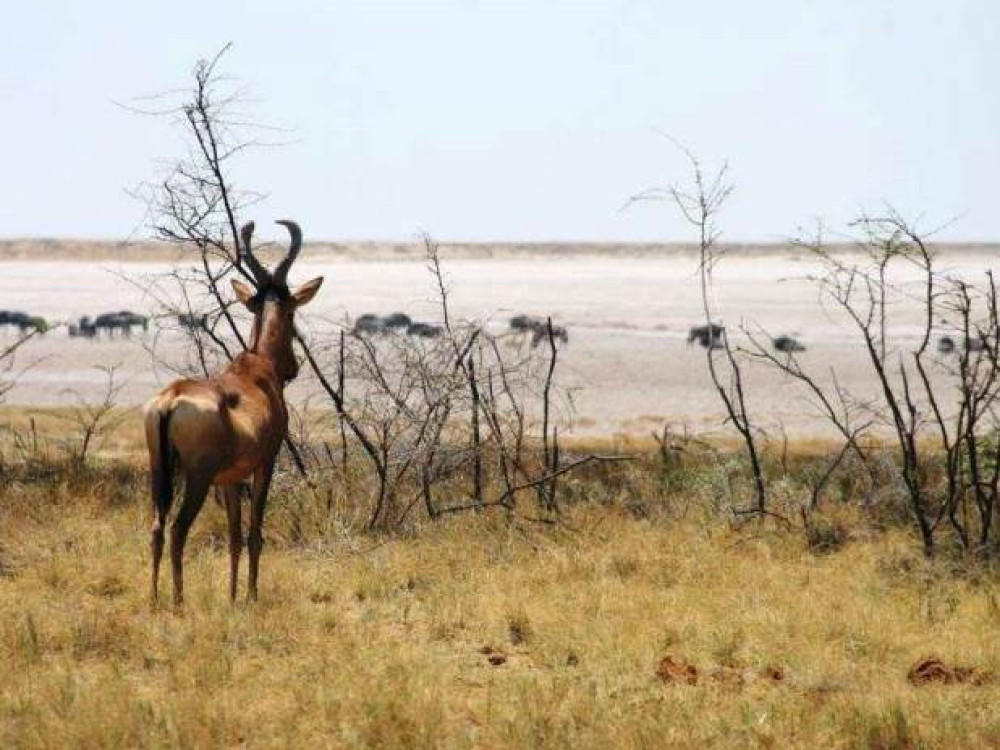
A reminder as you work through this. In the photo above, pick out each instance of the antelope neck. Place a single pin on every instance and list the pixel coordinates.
(269, 330)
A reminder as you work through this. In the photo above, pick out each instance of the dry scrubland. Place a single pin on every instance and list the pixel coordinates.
(481, 631)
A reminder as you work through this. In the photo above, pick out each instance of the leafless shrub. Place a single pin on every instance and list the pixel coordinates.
(942, 413)
(9, 372)
(700, 203)
(92, 420)
(850, 418)
(446, 424)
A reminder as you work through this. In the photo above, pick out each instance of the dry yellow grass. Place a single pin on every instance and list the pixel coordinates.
(387, 642)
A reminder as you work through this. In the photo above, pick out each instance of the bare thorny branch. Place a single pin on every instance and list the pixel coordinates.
(912, 400)
(448, 415)
(699, 203)
(8, 361)
(93, 419)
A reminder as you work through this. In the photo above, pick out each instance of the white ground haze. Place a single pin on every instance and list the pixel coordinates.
(627, 363)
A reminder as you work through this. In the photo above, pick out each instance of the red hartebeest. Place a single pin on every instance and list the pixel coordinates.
(227, 428)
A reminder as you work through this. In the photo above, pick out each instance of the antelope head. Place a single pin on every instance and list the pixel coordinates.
(272, 303)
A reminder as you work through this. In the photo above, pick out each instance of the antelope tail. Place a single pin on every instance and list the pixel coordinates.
(163, 475)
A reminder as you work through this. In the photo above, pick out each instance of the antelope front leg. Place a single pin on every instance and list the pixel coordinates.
(255, 541)
(234, 495)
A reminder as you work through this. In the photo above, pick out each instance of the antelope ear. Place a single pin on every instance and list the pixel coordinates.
(303, 294)
(243, 293)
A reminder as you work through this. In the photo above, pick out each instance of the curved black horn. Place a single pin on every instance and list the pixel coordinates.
(281, 272)
(256, 269)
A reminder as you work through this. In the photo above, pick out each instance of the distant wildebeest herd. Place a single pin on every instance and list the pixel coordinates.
(371, 324)
(113, 323)
(948, 345)
(710, 336)
(23, 321)
(123, 322)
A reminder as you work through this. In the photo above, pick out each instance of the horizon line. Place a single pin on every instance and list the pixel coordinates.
(416, 240)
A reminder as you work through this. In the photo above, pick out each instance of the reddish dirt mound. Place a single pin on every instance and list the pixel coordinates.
(672, 670)
(930, 670)
(493, 656)
(776, 674)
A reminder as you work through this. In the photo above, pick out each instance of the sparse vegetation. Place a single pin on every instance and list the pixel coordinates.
(488, 630)
(448, 569)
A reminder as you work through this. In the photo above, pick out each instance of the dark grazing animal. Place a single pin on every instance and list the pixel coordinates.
(948, 345)
(369, 324)
(424, 330)
(22, 321)
(84, 328)
(396, 320)
(14, 318)
(120, 322)
(523, 323)
(191, 321)
(787, 344)
(540, 333)
(708, 336)
(538, 328)
(128, 319)
(107, 322)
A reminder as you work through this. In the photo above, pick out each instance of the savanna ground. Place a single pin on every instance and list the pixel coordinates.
(647, 616)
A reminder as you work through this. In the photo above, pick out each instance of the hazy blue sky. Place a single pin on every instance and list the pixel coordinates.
(479, 119)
